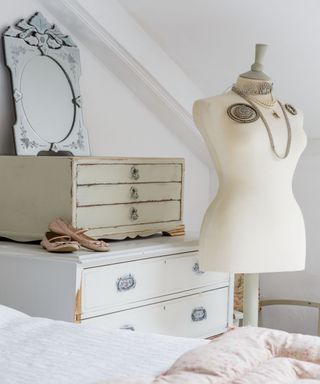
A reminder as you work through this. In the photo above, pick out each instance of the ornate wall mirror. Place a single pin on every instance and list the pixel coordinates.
(45, 71)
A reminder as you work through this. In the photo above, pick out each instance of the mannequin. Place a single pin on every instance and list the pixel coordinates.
(254, 223)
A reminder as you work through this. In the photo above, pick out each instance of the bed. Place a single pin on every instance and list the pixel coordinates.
(35, 350)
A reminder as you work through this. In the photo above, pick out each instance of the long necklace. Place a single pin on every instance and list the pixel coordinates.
(266, 104)
(288, 147)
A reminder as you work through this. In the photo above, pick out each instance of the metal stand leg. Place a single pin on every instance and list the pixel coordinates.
(251, 299)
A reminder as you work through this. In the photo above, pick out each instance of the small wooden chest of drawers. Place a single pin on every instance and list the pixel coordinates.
(114, 198)
(148, 285)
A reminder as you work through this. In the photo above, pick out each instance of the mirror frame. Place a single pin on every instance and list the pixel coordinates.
(22, 42)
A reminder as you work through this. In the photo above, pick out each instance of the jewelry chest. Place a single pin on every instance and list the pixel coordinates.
(114, 198)
(148, 285)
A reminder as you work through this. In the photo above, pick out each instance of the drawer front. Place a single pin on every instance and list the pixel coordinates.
(128, 173)
(200, 315)
(109, 288)
(126, 193)
(102, 216)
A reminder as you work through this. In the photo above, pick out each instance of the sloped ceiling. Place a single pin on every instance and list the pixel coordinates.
(213, 41)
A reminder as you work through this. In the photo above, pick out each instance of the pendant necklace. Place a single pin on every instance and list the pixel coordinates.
(266, 104)
(288, 147)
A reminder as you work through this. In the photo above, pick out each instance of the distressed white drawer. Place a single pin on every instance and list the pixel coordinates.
(128, 173)
(128, 214)
(91, 192)
(126, 193)
(200, 315)
(111, 287)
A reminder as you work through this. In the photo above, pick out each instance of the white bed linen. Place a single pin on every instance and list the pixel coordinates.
(36, 350)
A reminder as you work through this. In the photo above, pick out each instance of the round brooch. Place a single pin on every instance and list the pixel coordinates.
(242, 113)
(291, 109)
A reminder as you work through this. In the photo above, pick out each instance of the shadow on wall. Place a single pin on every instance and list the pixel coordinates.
(7, 116)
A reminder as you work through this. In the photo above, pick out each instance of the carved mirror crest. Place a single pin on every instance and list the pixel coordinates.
(45, 71)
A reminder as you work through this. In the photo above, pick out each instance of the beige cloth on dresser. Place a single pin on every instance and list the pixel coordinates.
(245, 356)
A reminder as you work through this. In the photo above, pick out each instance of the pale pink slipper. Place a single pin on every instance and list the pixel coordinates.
(53, 242)
(59, 226)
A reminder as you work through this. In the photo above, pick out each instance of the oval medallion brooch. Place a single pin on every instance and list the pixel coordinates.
(290, 108)
(242, 113)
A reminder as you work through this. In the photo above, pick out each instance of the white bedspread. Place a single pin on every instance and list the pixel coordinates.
(35, 350)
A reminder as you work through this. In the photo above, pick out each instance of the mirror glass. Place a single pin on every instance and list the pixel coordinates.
(47, 99)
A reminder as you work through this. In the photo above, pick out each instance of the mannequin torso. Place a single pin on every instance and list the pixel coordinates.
(254, 214)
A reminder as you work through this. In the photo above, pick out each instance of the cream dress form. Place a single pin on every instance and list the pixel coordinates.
(254, 223)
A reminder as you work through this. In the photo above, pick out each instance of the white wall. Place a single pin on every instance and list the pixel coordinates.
(117, 121)
(213, 41)
(210, 42)
(303, 285)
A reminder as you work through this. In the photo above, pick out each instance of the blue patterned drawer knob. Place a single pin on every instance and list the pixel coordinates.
(196, 268)
(199, 314)
(126, 282)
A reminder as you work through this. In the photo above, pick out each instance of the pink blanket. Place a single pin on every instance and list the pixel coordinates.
(243, 356)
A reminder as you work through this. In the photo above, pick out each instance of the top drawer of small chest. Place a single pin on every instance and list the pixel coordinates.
(128, 173)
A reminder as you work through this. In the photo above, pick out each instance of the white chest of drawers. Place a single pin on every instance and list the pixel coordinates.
(149, 285)
(113, 197)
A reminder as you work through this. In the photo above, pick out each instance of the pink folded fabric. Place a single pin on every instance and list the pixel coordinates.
(245, 356)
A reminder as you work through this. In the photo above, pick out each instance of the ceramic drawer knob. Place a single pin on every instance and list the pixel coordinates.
(134, 193)
(134, 173)
(127, 327)
(196, 269)
(126, 282)
(134, 214)
(199, 314)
